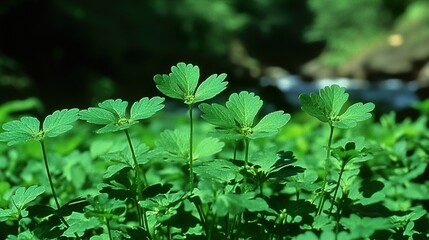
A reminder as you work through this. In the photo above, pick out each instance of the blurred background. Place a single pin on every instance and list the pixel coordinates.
(57, 54)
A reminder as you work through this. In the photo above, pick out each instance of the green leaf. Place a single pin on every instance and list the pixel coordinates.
(244, 107)
(328, 105)
(333, 98)
(175, 144)
(234, 204)
(236, 120)
(312, 104)
(186, 76)
(167, 87)
(79, 224)
(207, 147)
(24, 196)
(60, 122)
(108, 113)
(355, 113)
(211, 87)
(218, 115)
(364, 227)
(216, 169)
(112, 113)
(182, 83)
(146, 108)
(270, 124)
(20, 131)
(117, 107)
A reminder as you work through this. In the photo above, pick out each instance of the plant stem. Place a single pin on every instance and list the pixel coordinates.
(138, 182)
(48, 172)
(246, 160)
(338, 186)
(108, 229)
(246, 151)
(51, 184)
(191, 143)
(328, 154)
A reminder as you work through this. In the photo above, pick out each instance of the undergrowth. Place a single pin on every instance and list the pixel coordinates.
(215, 171)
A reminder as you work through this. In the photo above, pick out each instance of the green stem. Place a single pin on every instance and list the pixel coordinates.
(337, 186)
(51, 184)
(48, 172)
(191, 143)
(246, 151)
(246, 161)
(138, 183)
(108, 229)
(328, 154)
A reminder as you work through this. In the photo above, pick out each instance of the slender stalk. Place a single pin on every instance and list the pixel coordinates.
(325, 178)
(48, 172)
(246, 151)
(140, 212)
(51, 184)
(246, 161)
(337, 186)
(108, 228)
(191, 143)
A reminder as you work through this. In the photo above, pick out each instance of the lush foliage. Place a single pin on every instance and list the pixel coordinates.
(235, 173)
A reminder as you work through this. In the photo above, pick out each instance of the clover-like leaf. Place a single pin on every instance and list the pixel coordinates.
(328, 107)
(237, 119)
(28, 128)
(182, 83)
(112, 113)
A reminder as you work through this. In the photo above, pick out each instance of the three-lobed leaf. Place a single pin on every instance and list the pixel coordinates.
(328, 107)
(113, 113)
(28, 128)
(182, 83)
(237, 118)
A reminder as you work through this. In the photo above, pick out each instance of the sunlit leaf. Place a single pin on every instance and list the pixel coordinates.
(211, 87)
(146, 108)
(182, 83)
(328, 107)
(60, 122)
(112, 113)
(218, 115)
(355, 113)
(244, 107)
(270, 124)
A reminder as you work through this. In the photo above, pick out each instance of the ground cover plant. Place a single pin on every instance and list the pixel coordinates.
(221, 169)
